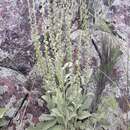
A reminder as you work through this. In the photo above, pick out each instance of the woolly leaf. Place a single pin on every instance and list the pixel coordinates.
(83, 115)
(57, 127)
(46, 117)
(2, 112)
(43, 125)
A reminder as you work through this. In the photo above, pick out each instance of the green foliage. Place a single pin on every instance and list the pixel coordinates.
(106, 109)
(108, 102)
(103, 26)
(2, 112)
(68, 104)
(62, 82)
(64, 101)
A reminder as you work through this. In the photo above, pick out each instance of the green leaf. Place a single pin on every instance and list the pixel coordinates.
(46, 117)
(57, 127)
(48, 125)
(81, 125)
(73, 115)
(99, 117)
(59, 76)
(39, 126)
(87, 100)
(67, 65)
(103, 26)
(56, 113)
(83, 115)
(47, 98)
(110, 102)
(3, 122)
(44, 97)
(43, 125)
(2, 112)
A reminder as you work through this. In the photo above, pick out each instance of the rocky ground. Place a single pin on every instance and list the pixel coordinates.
(17, 57)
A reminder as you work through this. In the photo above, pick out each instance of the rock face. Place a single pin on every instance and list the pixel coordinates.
(17, 58)
(121, 17)
(16, 50)
(23, 104)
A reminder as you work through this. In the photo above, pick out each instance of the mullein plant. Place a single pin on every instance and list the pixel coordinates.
(62, 82)
(63, 78)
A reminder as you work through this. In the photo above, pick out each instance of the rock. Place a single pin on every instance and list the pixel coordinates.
(16, 48)
(12, 94)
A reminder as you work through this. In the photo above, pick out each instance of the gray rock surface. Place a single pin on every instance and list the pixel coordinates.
(16, 50)
(14, 88)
